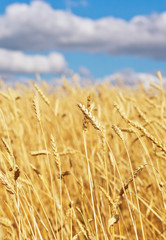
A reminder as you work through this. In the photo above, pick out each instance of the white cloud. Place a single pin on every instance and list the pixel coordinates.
(76, 3)
(19, 62)
(84, 3)
(39, 27)
(129, 77)
(84, 72)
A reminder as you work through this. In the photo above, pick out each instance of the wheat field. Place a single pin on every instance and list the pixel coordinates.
(82, 162)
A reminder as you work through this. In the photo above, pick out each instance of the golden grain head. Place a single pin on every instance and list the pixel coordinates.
(95, 123)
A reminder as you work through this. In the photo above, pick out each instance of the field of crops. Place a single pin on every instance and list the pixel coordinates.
(82, 162)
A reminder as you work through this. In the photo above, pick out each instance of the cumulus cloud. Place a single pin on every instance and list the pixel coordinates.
(39, 27)
(19, 62)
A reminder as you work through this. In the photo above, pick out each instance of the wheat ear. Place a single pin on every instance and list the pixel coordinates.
(142, 129)
(55, 152)
(118, 199)
(85, 121)
(95, 123)
(45, 99)
(36, 107)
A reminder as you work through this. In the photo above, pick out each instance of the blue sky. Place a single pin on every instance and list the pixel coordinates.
(92, 37)
(97, 8)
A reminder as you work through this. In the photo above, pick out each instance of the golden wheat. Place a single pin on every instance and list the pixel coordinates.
(59, 181)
